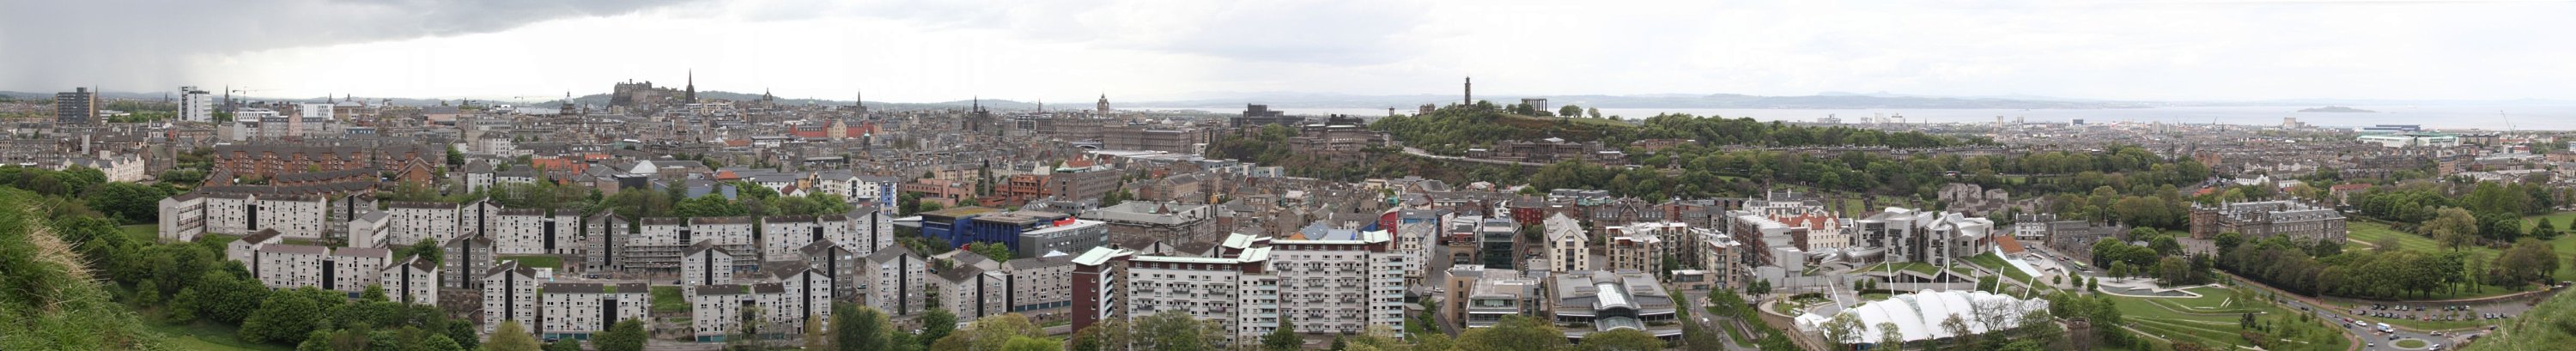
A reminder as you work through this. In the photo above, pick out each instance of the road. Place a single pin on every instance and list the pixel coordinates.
(1696, 301)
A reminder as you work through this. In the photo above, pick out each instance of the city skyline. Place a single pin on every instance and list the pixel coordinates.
(1143, 51)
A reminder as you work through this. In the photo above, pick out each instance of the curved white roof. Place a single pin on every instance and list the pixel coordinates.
(1918, 316)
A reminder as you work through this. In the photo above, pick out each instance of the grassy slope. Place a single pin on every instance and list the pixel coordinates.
(2538, 329)
(2210, 319)
(668, 299)
(208, 336)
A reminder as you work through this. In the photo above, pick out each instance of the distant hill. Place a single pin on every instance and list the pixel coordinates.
(1843, 100)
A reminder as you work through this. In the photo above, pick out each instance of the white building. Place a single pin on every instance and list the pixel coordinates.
(352, 269)
(1338, 282)
(293, 216)
(781, 236)
(509, 293)
(576, 311)
(896, 280)
(705, 264)
(411, 280)
(973, 293)
(864, 231)
(413, 221)
(287, 266)
(716, 310)
(1041, 288)
(246, 249)
(371, 228)
(183, 217)
(195, 105)
(1568, 247)
(526, 231)
(731, 233)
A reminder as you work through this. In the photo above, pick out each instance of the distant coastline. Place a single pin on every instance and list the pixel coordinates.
(2336, 109)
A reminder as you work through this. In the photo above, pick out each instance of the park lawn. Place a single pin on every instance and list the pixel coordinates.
(2557, 219)
(207, 336)
(668, 299)
(142, 232)
(2166, 317)
(537, 261)
(2368, 232)
(1996, 263)
(1917, 267)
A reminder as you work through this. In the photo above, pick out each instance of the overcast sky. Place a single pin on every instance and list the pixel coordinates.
(1071, 51)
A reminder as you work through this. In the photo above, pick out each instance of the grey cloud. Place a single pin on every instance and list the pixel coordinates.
(131, 45)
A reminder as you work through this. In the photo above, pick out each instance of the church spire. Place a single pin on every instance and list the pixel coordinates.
(693, 86)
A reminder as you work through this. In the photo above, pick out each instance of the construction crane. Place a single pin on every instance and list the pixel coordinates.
(2508, 121)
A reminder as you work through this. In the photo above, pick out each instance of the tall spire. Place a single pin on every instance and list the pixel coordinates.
(693, 86)
(1471, 92)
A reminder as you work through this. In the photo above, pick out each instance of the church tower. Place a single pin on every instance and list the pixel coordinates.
(1103, 106)
(693, 86)
(1471, 92)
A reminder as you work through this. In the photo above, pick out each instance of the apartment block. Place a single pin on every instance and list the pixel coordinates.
(870, 228)
(734, 234)
(719, 311)
(183, 217)
(244, 250)
(972, 293)
(1041, 288)
(291, 215)
(352, 269)
(842, 266)
(509, 293)
(288, 266)
(371, 228)
(527, 231)
(716, 310)
(411, 280)
(896, 278)
(576, 311)
(1340, 283)
(1569, 248)
(601, 235)
(706, 264)
(1480, 298)
(810, 295)
(782, 236)
(1638, 250)
(413, 221)
(467, 254)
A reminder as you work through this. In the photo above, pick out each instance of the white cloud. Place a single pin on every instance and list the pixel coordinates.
(1146, 50)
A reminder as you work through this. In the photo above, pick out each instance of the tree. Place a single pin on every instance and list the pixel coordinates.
(427, 249)
(127, 202)
(1027, 343)
(1515, 333)
(1621, 340)
(937, 324)
(1173, 330)
(564, 345)
(2453, 226)
(626, 335)
(455, 158)
(990, 333)
(1569, 111)
(1843, 329)
(1957, 326)
(1890, 337)
(814, 337)
(287, 316)
(1338, 345)
(995, 251)
(2545, 230)
(1283, 339)
(509, 336)
(858, 328)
